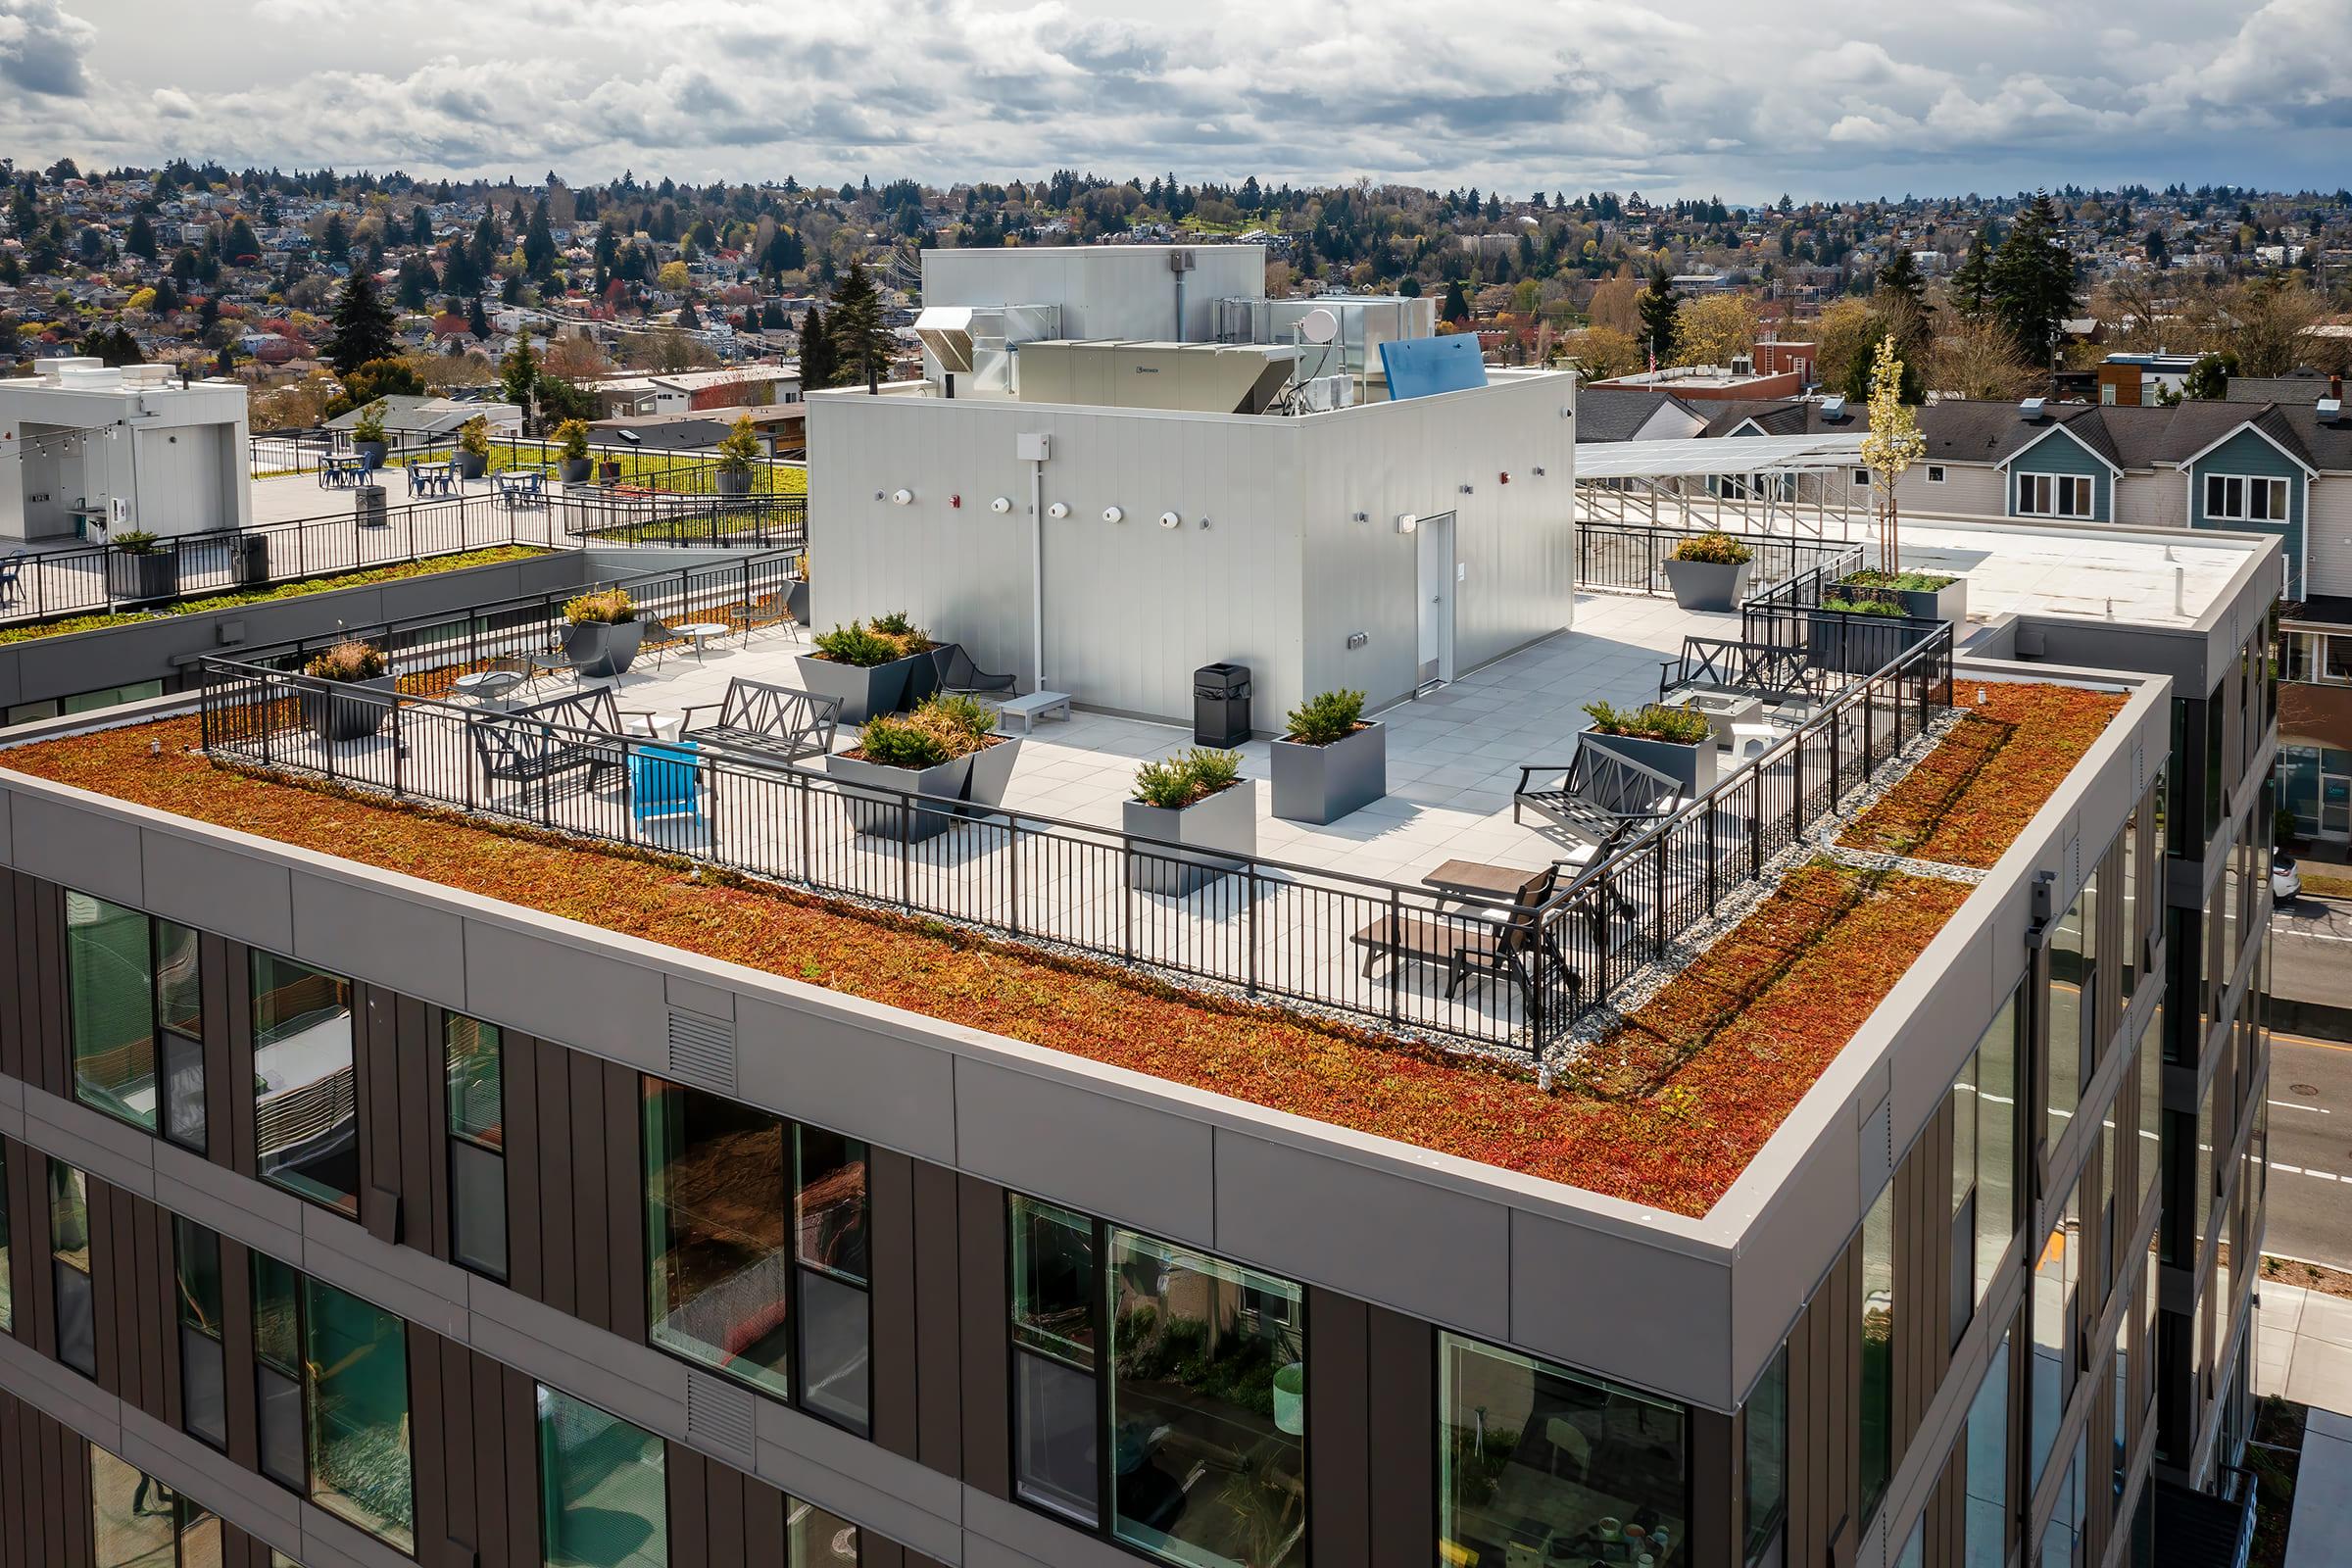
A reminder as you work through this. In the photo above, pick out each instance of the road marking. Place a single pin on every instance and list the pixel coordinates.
(2297, 1104)
(2316, 1175)
(2306, 1040)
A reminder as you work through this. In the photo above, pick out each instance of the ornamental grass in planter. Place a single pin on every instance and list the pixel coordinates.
(572, 434)
(332, 716)
(1677, 742)
(910, 757)
(474, 447)
(967, 727)
(873, 668)
(1709, 571)
(1854, 633)
(1198, 800)
(1925, 595)
(605, 632)
(1331, 762)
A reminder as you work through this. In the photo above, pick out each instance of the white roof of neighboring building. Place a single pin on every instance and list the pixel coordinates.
(1686, 458)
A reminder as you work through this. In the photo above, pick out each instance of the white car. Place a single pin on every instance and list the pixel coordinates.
(2286, 882)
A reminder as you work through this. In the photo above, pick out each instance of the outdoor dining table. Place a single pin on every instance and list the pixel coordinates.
(1476, 879)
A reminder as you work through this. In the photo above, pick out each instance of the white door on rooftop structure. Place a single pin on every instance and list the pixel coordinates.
(1436, 579)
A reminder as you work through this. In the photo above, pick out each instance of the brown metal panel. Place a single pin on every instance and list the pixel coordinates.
(689, 1493)
(236, 1359)
(486, 1451)
(1401, 1438)
(12, 1483)
(432, 1045)
(590, 1200)
(557, 1288)
(987, 1355)
(47, 1505)
(428, 1426)
(1339, 1462)
(728, 1548)
(763, 1523)
(1806, 1435)
(460, 1479)
(873, 1551)
(624, 1183)
(939, 1319)
(376, 1082)
(152, 1329)
(26, 1257)
(890, 1229)
(520, 1087)
(1714, 1483)
(220, 1082)
(109, 1297)
(12, 1001)
(415, 1057)
(238, 962)
(522, 1432)
(54, 1071)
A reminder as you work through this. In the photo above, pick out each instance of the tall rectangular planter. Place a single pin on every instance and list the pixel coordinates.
(1691, 767)
(1948, 602)
(346, 710)
(1707, 586)
(921, 677)
(991, 774)
(862, 690)
(884, 814)
(1215, 837)
(1323, 783)
(138, 579)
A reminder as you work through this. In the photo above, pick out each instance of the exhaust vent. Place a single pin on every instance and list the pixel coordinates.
(719, 1413)
(702, 1051)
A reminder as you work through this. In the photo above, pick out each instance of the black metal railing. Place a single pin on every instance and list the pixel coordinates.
(1364, 947)
(1762, 669)
(1631, 558)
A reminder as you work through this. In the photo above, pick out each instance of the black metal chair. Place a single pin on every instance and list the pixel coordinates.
(498, 680)
(959, 676)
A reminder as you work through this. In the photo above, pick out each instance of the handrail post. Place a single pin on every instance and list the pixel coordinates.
(1249, 920)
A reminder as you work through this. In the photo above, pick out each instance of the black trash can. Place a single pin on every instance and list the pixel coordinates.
(1220, 705)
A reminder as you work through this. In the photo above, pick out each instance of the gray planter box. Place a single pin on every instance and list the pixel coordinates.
(471, 465)
(796, 598)
(885, 815)
(1223, 828)
(1707, 584)
(1858, 645)
(991, 773)
(922, 678)
(1324, 783)
(616, 649)
(863, 690)
(1691, 767)
(345, 710)
(248, 559)
(371, 452)
(155, 575)
(734, 484)
(1947, 602)
(575, 471)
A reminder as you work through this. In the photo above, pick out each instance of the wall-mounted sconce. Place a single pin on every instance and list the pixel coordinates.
(1000, 506)
(1114, 514)
(1407, 521)
(1169, 520)
(1465, 489)
(1361, 516)
(1059, 510)
(900, 498)
(1538, 470)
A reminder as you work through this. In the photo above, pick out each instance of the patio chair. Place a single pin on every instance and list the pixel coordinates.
(774, 609)
(1506, 947)
(658, 639)
(959, 675)
(500, 679)
(12, 572)
(583, 645)
(665, 783)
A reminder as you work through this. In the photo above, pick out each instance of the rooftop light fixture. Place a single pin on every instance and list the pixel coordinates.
(1407, 521)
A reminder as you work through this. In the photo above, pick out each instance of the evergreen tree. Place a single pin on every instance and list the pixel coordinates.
(771, 317)
(1456, 307)
(861, 342)
(2033, 280)
(335, 241)
(243, 247)
(518, 372)
(362, 326)
(1660, 310)
(141, 240)
(817, 365)
(420, 228)
(477, 319)
(1972, 282)
(539, 244)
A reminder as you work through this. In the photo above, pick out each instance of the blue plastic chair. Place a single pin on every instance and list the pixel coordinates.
(662, 783)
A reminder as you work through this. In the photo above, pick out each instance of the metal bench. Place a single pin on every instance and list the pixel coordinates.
(537, 744)
(1599, 798)
(770, 721)
(1031, 708)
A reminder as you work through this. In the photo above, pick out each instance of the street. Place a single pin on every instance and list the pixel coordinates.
(2311, 1150)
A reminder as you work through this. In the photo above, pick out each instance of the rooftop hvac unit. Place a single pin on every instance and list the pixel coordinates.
(1742, 364)
(2330, 410)
(1834, 406)
(1326, 393)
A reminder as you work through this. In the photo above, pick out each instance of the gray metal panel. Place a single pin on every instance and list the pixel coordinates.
(347, 927)
(219, 889)
(1132, 1163)
(1573, 1297)
(91, 850)
(1357, 1229)
(418, 1286)
(559, 989)
(828, 1467)
(837, 1069)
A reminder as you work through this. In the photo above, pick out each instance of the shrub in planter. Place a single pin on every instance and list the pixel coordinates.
(865, 670)
(905, 755)
(139, 567)
(1847, 634)
(967, 727)
(1199, 800)
(573, 436)
(914, 645)
(1927, 595)
(738, 450)
(367, 434)
(1332, 762)
(1709, 571)
(1676, 742)
(610, 607)
(605, 631)
(335, 716)
(474, 447)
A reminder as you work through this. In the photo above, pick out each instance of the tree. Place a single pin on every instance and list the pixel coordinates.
(2272, 315)
(362, 326)
(1456, 307)
(2208, 380)
(111, 345)
(539, 245)
(1602, 352)
(477, 319)
(377, 378)
(673, 278)
(1972, 281)
(817, 365)
(1714, 329)
(518, 372)
(1893, 444)
(1979, 360)
(1659, 313)
(335, 241)
(141, 239)
(2032, 284)
(860, 341)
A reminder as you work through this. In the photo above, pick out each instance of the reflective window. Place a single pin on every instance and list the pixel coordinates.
(2062, 1537)
(817, 1538)
(306, 1120)
(1878, 1350)
(830, 1203)
(474, 1078)
(2149, 1129)
(1534, 1456)
(1208, 1406)
(1984, 1516)
(1055, 1288)
(70, 1266)
(277, 1370)
(602, 1489)
(2052, 1304)
(204, 1393)
(134, 1002)
(356, 1405)
(1764, 1461)
(2073, 989)
(7, 1304)
(1984, 1161)
(131, 1515)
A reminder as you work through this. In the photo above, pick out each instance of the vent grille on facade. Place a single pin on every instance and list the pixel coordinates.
(1877, 1152)
(719, 1413)
(702, 1051)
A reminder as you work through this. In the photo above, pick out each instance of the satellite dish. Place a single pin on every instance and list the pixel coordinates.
(1318, 326)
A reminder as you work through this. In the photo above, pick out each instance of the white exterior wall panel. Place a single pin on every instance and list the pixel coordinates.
(1103, 290)
(2330, 536)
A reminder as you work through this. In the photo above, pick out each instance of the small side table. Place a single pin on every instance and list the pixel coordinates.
(657, 726)
(702, 632)
(1029, 709)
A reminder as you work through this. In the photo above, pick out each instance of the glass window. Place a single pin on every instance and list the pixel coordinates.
(602, 1489)
(1207, 1408)
(817, 1538)
(306, 1121)
(2150, 1126)
(1984, 1517)
(1878, 1350)
(1056, 1286)
(70, 1263)
(110, 1000)
(1764, 1461)
(199, 1530)
(1540, 1463)
(2062, 1537)
(277, 1370)
(131, 1515)
(2073, 989)
(356, 1406)
(830, 1206)
(8, 1300)
(715, 1205)
(1985, 1161)
(203, 1375)
(474, 1076)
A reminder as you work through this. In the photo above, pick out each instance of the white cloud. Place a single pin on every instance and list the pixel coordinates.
(41, 48)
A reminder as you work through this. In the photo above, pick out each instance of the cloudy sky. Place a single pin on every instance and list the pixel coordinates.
(1739, 98)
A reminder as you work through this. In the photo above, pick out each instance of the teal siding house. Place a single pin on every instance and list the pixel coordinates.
(2247, 483)
(2056, 475)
